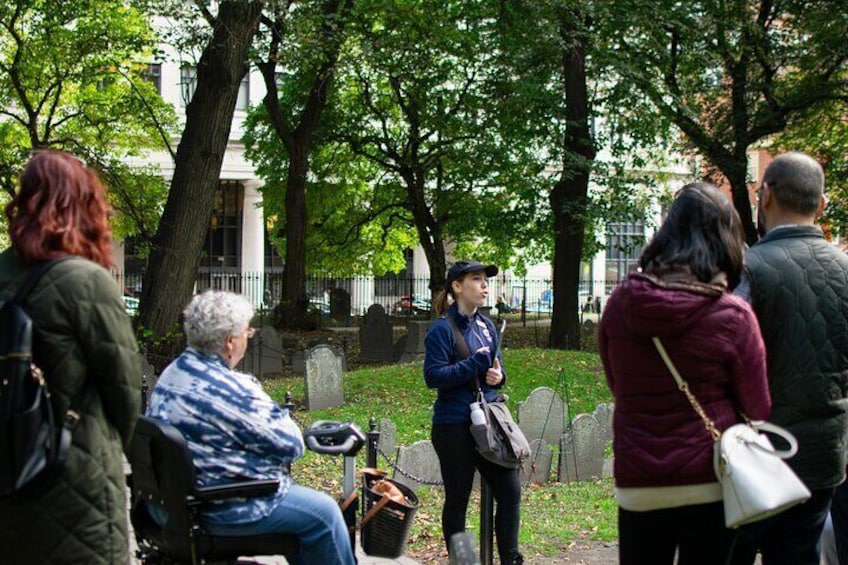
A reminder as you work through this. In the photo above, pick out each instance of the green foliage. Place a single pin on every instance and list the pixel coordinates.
(823, 133)
(727, 74)
(72, 78)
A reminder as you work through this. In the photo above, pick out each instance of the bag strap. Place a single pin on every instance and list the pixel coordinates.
(681, 384)
(461, 344)
(72, 416)
(464, 353)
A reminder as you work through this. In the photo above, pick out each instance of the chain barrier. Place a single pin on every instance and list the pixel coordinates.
(407, 474)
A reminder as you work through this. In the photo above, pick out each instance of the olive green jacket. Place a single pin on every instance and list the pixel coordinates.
(85, 344)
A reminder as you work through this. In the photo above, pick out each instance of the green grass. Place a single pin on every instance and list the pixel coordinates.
(554, 515)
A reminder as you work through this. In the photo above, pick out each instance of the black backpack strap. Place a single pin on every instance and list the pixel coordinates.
(72, 416)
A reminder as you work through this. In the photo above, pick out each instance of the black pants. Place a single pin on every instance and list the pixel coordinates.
(696, 532)
(458, 459)
(790, 538)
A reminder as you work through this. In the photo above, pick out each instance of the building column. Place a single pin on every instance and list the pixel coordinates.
(253, 243)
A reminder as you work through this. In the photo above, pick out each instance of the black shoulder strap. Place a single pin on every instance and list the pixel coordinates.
(34, 276)
(72, 416)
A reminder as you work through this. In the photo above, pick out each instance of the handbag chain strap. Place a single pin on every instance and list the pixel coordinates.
(681, 384)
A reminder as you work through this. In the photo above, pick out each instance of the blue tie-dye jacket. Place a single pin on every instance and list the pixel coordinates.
(235, 431)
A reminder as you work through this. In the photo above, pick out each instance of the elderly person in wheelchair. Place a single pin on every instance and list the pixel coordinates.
(236, 432)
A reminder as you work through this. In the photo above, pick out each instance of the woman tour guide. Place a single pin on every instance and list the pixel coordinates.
(456, 380)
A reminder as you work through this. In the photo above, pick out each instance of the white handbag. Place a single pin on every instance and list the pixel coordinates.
(756, 482)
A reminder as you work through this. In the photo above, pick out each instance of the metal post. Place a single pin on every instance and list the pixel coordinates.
(373, 440)
(524, 303)
(487, 523)
(144, 388)
(288, 404)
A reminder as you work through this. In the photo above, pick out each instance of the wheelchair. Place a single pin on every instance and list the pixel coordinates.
(163, 473)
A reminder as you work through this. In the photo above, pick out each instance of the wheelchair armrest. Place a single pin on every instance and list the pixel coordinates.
(241, 489)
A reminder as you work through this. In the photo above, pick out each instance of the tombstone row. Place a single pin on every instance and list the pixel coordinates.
(581, 454)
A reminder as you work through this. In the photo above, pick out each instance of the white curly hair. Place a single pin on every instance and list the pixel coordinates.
(214, 315)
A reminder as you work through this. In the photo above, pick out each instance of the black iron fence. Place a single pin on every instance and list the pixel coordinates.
(398, 295)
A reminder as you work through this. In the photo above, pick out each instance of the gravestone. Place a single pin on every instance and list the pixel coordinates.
(298, 362)
(414, 347)
(603, 412)
(543, 415)
(418, 459)
(581, 455)
(399, 347)
(340, 305)
(323, 378)
(538, 468)
(388, 437)
(264, 355)
(589, 336)
(375, 336)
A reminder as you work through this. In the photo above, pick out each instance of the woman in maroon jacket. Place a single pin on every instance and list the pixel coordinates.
(668, 495)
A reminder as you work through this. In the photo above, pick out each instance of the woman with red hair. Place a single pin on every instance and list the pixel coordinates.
(84, 343)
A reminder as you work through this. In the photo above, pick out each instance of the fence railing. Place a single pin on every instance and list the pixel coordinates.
(399, 295)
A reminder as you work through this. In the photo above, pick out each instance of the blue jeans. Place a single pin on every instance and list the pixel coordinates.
(791, 538)
(312, 516)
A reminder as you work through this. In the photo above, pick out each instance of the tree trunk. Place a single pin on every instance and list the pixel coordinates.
(298, 142)
(568, 196)
(170, 276)
(294, 301)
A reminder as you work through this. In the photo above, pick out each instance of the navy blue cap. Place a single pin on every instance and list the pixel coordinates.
(462, 267)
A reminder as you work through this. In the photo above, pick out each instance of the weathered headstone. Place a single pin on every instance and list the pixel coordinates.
(538, 468)
(414, 349)
(323, 378)
(589, 336)
(399, 347)
(375, 336)
(603, 412)
(264, 354)
(298, 362)
(388, 436)
(418, 459)
(543, 415)
(581, 455)
(340, 305)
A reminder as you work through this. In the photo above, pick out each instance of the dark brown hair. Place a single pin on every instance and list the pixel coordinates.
(60, 208)
(702, 231)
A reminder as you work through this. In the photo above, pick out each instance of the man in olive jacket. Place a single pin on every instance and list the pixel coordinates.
(797, 284)
(85, 345)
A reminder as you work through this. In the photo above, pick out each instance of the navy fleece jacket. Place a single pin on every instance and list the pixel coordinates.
(452, 377)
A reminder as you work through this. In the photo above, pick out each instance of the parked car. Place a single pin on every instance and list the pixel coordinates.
(411, 305)
(319, 305)
(130, 305)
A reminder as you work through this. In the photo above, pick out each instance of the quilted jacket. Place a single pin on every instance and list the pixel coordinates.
(799, 290)
(714, 341)
(86, 347)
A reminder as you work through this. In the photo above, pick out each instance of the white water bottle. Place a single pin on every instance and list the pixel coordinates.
(477, 415)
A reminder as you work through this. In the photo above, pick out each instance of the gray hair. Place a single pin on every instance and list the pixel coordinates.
(797, 182)
(214, 315)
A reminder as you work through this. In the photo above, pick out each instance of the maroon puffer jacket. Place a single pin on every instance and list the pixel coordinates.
(714, 340)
